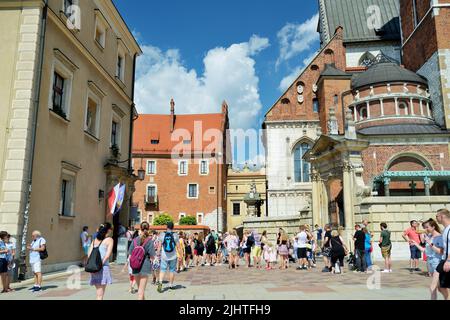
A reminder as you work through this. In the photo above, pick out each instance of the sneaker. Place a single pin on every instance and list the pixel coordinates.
(390, 271)
(160, 289)
(385, 271)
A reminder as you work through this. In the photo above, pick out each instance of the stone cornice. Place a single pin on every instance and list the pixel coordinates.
(22, 4)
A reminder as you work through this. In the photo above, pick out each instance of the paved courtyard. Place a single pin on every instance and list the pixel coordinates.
(220, 283)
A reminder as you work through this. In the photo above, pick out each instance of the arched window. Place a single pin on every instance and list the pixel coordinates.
(403, 108)
(329, 56)
(363, 115)
(316, 105)
(301, 167)
(365, 59)
(285, 101)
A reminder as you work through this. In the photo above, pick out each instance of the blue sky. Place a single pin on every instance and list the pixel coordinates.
(205, 51)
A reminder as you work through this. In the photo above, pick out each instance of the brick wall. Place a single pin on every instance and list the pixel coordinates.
(288, 107)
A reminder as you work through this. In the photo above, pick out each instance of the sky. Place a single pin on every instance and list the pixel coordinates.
(203, 52)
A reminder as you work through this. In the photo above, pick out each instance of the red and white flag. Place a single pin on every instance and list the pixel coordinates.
(113, 196)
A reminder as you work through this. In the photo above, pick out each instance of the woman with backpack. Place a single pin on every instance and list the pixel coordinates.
(142, 252)
(98, 260)
(338, 252)
(199, 248)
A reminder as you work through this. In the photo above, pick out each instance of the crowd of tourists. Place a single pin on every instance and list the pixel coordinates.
(153, 255)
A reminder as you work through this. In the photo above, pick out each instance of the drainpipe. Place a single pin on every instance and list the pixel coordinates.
(26, 214)
(132, 119)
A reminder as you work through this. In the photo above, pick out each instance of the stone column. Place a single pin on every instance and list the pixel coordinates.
(382, 107)
(348, 195)
(386, 182)
(316, 207)
(421, 108)
(368, 109)
(411, 106)
(397, 111)
(427, 182)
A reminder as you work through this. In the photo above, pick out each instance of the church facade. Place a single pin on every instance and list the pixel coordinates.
(357, 135)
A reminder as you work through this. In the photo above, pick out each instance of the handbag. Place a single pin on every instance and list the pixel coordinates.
(43, 254)
(444, 277)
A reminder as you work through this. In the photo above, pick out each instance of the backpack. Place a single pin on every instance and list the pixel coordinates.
(211, 243)
(138, 254)
(43, 254)
(250, 241)
(169, 242)
(95, 262)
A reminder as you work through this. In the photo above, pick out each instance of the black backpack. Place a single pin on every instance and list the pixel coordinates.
(169, 242)
(43, 254)
(250, 241)
(211, 242)
(95, 262)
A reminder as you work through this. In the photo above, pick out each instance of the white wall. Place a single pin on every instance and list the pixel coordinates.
(354, 52)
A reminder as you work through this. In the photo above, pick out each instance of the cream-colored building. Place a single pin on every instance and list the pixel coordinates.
(239, 184)
(66, 98)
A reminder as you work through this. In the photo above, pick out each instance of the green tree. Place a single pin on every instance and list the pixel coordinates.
(188, 221)
(162, 220)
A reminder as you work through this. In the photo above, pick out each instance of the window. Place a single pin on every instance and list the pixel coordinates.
(403, 108)
(181, 215)
(301, 167)
(58, 95)
(199, 218)
(336, 100)
(193, 191)
(120, 73)
(366, 59)
(114, 133)
(151, 167)
(363, 115)
(92, 116)
(204, 167)
(236, 209)
(186, 142)
(152, 193)
(101, 26)
(67, 194)
(316, 106)
(182, 168)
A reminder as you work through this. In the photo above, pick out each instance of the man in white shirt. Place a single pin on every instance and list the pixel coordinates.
(302, 252)
(37, 246)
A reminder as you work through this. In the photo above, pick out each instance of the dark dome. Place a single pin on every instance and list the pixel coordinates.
(386, 72)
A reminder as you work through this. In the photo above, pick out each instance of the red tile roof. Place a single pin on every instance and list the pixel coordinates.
(150, 127)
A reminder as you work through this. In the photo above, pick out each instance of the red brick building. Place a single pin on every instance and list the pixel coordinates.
(185, 159)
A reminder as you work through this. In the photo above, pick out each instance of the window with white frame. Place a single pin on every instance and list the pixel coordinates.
(92, 119)
(151, 167)
(152, 193)
(100, 29)
(204, 167)
(192, 191)
(183, 168)
(200, 218)
(60, 90)
(120, 69)
(181, 216)
(67, 191)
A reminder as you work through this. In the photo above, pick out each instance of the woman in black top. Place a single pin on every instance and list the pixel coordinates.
(338, 252)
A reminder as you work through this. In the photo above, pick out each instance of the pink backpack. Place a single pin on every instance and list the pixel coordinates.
(138, 255)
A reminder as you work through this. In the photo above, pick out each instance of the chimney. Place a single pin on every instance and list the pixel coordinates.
(172, 115)
(224, 107)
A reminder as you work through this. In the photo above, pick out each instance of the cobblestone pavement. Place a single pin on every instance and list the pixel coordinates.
(220, 283)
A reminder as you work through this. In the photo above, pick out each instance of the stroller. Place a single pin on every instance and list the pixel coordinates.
(351, 260)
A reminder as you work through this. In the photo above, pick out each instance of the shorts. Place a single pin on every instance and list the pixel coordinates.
(257, 251)
(326, 252)
(302, 253)
(36, 267)
(234, 252)
(86, 250)
(386, 252)
(169, 265)
(3, 266)
(415, 253)
(432, 264)
(211, 250)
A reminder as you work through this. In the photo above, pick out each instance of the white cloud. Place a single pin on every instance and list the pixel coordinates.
(297, 38)
(288, 80)
(229, 74)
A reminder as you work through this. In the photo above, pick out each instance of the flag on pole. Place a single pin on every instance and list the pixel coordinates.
(120, 198)
(113, 196)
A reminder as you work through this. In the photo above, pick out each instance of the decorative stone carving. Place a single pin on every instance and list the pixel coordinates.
(405, 88)
(332, 123)
(315, 88)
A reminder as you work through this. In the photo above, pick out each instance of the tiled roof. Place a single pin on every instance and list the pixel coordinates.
(399, 129)
(150, 127)
(384, 73)
(353, 16)
(332, 71)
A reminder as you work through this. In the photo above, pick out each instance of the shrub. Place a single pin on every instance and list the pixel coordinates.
(188, 221)
(162, 220)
